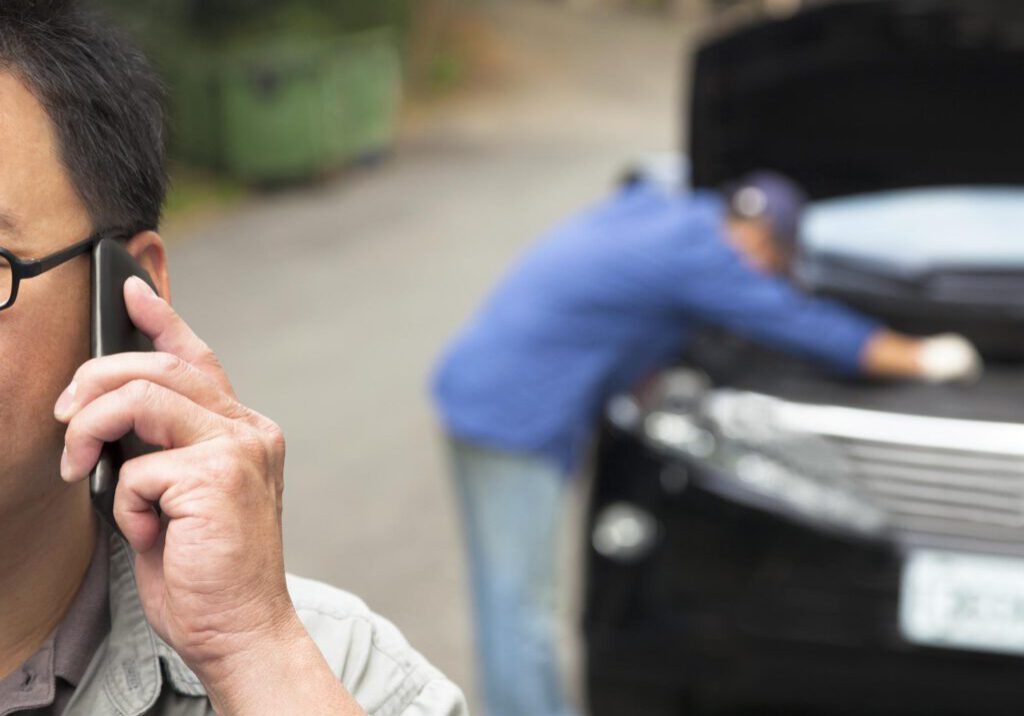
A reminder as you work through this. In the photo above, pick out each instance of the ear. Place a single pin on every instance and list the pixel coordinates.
(148, 249)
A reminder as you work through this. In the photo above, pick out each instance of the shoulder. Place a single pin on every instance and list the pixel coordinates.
(705, 211)
(366, 652)
(370, 656)
(693, 213)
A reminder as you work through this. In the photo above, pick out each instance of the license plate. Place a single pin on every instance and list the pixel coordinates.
(962, 601)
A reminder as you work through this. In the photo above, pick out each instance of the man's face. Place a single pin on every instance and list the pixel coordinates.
(44, 337)
(756, 242)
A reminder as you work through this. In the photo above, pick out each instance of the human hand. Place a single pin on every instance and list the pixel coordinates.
(209, 567)
(949, 358)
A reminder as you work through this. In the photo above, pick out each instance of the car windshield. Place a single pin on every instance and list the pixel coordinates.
(922, 228)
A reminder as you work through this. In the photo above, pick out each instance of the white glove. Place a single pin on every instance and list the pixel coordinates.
(949, 358)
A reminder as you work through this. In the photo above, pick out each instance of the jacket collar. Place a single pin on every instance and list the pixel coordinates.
(126, 674)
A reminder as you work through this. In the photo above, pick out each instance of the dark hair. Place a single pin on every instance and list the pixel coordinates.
(105, 102)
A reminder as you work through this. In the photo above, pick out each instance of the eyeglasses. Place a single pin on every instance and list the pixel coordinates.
(13, 270)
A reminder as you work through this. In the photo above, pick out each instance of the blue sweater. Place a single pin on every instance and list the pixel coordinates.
(602, 301)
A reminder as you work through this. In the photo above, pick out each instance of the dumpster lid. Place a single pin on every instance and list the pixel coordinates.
(862, 95)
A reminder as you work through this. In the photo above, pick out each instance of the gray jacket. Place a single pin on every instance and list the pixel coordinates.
(135, 673)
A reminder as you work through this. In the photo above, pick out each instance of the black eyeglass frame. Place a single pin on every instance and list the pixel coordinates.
(22, 270)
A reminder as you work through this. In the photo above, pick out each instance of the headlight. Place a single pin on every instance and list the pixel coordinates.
(679, 433)
(743, 443)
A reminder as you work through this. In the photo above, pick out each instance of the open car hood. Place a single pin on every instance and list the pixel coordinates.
(865, 95)
(739, 363)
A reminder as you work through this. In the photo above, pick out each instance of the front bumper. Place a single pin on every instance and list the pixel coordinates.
(736, 606)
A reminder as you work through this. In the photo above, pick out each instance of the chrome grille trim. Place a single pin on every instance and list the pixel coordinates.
(896, 493)
(943, 434)
(938, 479)
(898, 456)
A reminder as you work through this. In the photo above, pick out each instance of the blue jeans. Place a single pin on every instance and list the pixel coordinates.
(511, 509)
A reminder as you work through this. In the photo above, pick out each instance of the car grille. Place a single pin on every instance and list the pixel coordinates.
(937, 479)
(943, 492)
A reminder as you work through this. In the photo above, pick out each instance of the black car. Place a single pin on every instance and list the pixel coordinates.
(769, 537)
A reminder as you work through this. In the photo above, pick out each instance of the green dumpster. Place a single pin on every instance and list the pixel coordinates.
(289, 110)
(272, 115)
(196, 131)
(364, 95)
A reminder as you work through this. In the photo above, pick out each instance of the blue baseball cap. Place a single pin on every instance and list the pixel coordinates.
(771, 197)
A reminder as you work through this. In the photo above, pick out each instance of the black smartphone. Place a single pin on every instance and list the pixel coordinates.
(113, 332)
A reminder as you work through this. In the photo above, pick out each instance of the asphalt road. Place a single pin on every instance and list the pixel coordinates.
(328, 305)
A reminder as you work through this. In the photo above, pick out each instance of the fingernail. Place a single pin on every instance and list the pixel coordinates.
(65, 467)
(148, 289)
(66, 401)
